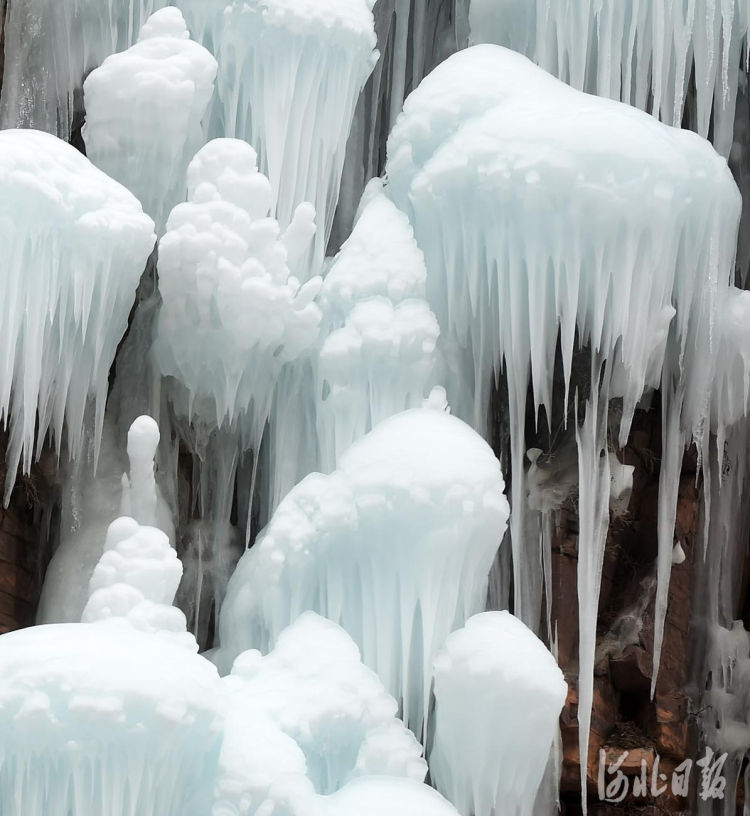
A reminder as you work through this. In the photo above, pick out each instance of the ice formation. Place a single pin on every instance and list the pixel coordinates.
(75, 244)
(379, 356)
(289, 77)
(395, 546)
(375, 796)
(498, 697)
(642, 53)
(163, 70)
(618, 236)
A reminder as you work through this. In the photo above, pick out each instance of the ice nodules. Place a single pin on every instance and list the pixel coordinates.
(395, 546)
(163, 70)
(498, 694)
(75, 244)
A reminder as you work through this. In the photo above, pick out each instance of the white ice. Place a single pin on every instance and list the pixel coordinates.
(498, 697)
(395, 546)
(74, 246)
(165, 71)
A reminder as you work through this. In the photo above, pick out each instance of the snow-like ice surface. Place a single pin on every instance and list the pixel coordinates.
(233, 313)
(640, 52)
(544, 211)
(103, 720)
(315, 687)
(289, 77)
(498, 697)
(379, 356)
(164, 71)
(395, 546)
(378, 796)
(74, 246)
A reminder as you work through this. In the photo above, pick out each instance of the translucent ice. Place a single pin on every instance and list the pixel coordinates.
(395, 546)
(640, 52)
(164, 71)
(498, 697)
(74, 246)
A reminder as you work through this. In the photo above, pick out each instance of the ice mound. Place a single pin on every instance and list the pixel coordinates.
(379, 356)
(380, 796)
(498, 695)
(164, 71)
(395, 546)
(313, 684)
(233, 313)
(289, 78)
(546, 213)
(74, 246)
(641, 53)
(104, 720)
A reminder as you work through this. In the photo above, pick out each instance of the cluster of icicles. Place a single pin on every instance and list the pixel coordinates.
(570, 244)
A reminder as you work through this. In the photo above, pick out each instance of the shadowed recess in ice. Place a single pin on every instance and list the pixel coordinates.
(74, 246)
(379, 355)
(395, 546)
(640, 51)
(164, 71)
(498, 697)
(618, 236)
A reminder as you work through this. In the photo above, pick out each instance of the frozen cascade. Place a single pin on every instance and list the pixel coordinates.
(50, 46)
(289, 77)
(379, 356)
(491, 145)
(498, 697)
(163, 70)
(396, 543)
(642, 52)
(75, 244)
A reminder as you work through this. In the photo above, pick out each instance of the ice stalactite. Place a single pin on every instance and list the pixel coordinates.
(619, 245)
(379, 355)
(50, 46)
(289, 77)
(395, 544)
(643, 53)
(74, 246)
(90, 503)
(233, 317)
(498, 697)
(164, 70)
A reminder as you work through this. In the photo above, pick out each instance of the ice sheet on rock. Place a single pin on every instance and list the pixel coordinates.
(164, 71)
(608, 229)
(104, 720)
(289, 77)
(642, 53)
(395, 546)
(315, 687)
(379, 356)
(498, 697)
(382, 796)
(74, 246)
(50, 46)
(731, 387)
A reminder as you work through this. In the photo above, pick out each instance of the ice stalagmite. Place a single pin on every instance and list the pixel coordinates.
(50, 46)
(74, 246)
(395, 546)
(550, 218)
(379, 356)
(289, 77)
(642, 53)
(498, 697)
(166, 71)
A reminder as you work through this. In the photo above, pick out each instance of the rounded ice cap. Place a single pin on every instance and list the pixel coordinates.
(386, 796)
(167, 22)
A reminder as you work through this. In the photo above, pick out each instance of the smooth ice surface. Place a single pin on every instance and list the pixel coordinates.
(576, 217)
(379, 796)
(290, 74)
(498, 697)
(379, 356)
(164, 71)
(395, 546)
(640, 52)
(74, 246)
